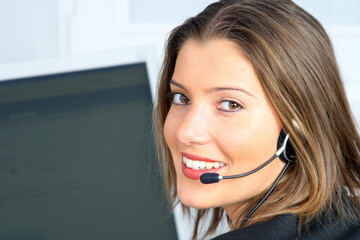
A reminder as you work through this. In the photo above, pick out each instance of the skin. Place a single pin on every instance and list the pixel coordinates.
(236, 126)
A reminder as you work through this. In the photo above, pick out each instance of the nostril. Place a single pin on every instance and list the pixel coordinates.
(192, 134)
(188, 126)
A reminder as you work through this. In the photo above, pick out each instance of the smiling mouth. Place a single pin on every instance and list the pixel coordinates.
(201, 165)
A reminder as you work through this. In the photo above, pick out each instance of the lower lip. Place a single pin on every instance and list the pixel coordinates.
(195, 174)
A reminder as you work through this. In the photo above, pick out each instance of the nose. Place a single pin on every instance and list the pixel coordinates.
(194, 127)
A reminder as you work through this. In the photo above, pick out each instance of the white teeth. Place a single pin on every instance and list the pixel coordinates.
(209, 165)
(189, 163)
(195, 165)
(200, 165)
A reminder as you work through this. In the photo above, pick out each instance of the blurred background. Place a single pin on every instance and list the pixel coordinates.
(38, 30)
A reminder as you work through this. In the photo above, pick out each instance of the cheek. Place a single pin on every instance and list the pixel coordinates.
(170, 127)
(235, 145)
(249, 142)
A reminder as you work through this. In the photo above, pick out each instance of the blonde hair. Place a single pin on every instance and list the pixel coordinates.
(295, 62)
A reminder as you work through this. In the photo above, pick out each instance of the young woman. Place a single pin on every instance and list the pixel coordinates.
(252, 87)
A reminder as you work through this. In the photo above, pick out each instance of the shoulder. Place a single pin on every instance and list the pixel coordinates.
(331, 231)
(285, 227)
(279, 227)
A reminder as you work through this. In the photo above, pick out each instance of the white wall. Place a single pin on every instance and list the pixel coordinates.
(41, 29)
(28, 30)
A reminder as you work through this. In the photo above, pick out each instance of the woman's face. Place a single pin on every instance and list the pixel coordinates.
(221, 120)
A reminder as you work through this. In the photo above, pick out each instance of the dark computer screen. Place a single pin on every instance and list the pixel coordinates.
(77, 158)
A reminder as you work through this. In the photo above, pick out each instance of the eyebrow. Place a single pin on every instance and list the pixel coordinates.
(215, 89)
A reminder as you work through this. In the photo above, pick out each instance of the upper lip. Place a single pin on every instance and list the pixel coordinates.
(197, 157)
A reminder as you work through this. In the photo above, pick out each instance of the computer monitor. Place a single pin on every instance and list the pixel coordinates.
(77, 155)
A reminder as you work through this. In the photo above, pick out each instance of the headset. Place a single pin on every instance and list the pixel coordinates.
(286, 153)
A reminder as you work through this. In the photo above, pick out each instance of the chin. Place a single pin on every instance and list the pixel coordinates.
(193, 203)
(194, 198)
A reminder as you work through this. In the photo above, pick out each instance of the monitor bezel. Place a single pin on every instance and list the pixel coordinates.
(86, 61)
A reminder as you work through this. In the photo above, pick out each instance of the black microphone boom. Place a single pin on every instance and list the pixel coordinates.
(207, 178)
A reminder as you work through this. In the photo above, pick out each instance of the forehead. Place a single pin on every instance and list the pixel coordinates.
(215, 63)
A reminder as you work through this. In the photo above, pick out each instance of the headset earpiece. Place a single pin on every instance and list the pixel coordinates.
(288, 155)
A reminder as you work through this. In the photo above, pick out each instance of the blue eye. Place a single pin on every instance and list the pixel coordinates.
(179, 99)
(229, 106)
